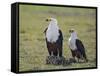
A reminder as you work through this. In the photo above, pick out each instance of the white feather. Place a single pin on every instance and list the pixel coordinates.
(52, 33)
(72, 41)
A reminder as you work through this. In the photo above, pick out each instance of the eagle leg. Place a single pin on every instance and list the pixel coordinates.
(73, 54)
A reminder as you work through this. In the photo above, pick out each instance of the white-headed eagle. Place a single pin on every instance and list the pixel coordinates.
(76, 46)
(54, 38)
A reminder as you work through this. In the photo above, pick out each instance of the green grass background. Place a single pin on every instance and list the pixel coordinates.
(32, 47)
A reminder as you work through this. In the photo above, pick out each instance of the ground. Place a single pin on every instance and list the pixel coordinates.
(32, 47)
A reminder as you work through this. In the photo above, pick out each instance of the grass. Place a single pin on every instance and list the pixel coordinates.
(32, 49)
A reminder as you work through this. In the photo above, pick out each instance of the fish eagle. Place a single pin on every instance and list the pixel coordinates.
(76, 46)
(54, 38)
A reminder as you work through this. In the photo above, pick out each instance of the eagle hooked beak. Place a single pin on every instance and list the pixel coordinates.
(48, 19)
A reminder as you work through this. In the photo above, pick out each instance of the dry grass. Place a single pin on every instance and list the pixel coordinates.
(33, 49)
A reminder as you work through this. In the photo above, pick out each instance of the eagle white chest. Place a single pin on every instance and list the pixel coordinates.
(52, 32)
(72, 41)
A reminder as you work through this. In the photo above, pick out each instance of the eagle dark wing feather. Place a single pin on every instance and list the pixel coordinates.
(60, 43)
(80, 48)
(60, 36)
(45, 30)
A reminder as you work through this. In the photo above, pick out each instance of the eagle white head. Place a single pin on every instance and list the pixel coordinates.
(72, 39)
(52, 32)
(52, 21)
(73, 34)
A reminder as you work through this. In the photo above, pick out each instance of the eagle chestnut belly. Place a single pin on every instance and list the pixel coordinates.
(54, 38)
